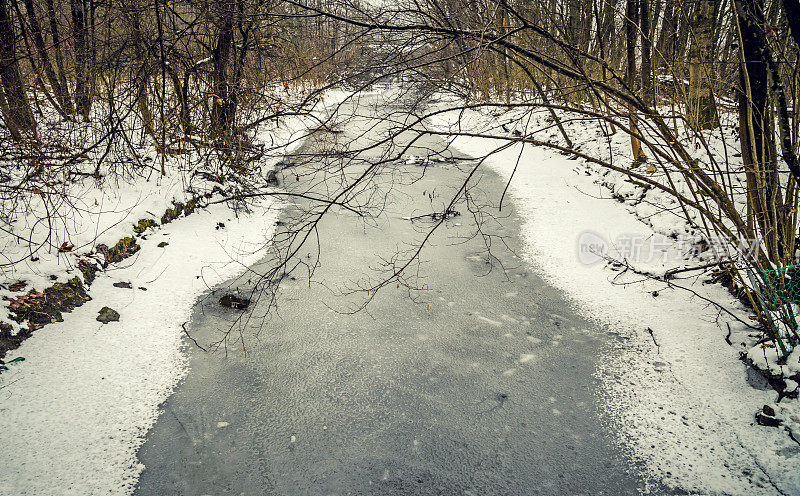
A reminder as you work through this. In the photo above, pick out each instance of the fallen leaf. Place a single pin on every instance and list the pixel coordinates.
(17, 286)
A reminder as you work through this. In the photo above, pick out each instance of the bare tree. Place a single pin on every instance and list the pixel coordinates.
(14, 104)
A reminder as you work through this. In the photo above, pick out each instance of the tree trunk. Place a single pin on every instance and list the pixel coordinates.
(141, 77)
(701, 108)
(666, 39)
(631, 31)
(792, 10)
(757, 131)
(56, 48)
(222, 109)
(61, 92)
(82, 98)
(647, 53)
(16, 111)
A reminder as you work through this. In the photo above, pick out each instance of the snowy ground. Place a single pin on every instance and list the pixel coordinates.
(684, 406)
(75, 411)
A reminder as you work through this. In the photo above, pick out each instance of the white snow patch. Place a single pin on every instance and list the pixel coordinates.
(527, 357)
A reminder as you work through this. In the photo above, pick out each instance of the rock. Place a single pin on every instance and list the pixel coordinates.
(272, 178)
(162, 244)
(123, 284)
(766, 417)
(107, 315)
(233, 301)
(143, 288)
(222, 425)
(220, 225)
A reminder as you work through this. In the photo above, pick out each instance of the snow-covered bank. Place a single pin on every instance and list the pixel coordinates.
(74, 413)
(73, 416)
(680, 399)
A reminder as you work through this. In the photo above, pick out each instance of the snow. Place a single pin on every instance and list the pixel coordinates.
(684, 408)
(75, 411)
(105, 214)
(74, 415)
(84, 212)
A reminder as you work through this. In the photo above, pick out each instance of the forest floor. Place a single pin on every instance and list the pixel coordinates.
(549, 373)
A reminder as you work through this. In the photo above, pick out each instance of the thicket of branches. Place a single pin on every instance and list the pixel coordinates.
(104, 90)
(177, 76)
(200, 76)
(665, 73)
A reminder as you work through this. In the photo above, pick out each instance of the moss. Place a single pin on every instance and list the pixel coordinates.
(179, 208)
(123, 249)
(172, 213)
(38, 309)
(143, 225)
(88, 270)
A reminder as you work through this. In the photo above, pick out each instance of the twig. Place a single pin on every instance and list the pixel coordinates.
(653, 336)
(791, 436)
(193, 339)
(435, 215)
(672, 284)
(10, 383)
(670, 273)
